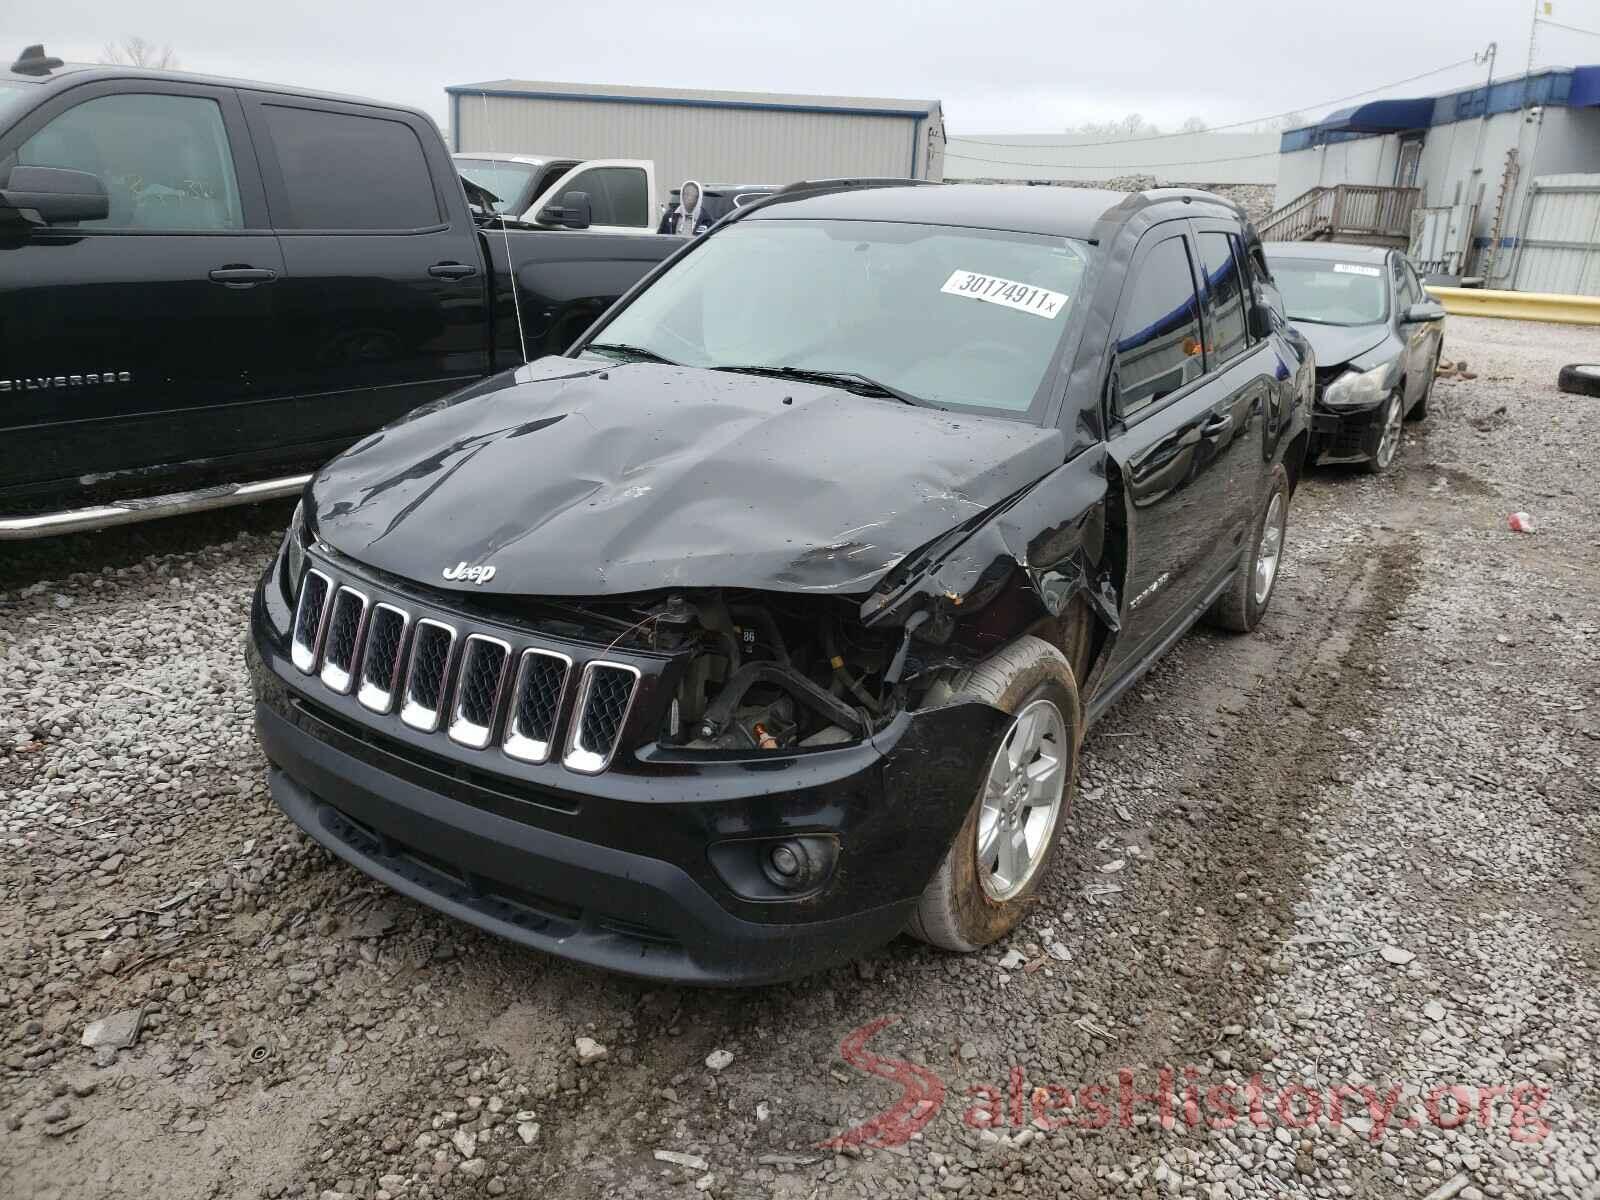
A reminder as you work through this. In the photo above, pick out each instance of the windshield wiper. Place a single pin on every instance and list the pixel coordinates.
(851, 381)
(635, 352)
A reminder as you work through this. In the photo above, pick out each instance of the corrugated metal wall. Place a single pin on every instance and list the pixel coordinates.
(1192, 158)
(1559, 249)
(721, 145)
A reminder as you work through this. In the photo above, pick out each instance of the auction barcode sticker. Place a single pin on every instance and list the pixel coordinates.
(1040, 302)
(1354, 269)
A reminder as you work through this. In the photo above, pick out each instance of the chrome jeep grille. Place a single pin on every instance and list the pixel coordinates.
(438, 675)
(536, 704)
(478, 687)
(308, 616)
(380, 666)
(428, 678)
(604, 698)
(346, 623)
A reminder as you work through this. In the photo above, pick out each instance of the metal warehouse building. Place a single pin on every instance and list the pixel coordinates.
(724, 137)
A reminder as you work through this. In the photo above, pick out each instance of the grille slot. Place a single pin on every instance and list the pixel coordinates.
(604, 698)
(478, 687)
(380, 665)
(427, 676)
(309, 617)
(536, 704)
(341, 644)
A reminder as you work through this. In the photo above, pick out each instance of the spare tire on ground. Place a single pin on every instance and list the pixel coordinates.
(1581, 379)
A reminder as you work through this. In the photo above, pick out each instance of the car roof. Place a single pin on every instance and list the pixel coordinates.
(1327, 251)
(1057, 211)
(87, 72)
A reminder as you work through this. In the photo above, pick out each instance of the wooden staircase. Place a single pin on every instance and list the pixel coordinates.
(1346, 212)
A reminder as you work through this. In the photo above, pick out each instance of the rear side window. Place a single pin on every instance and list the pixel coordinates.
(1227, 329)
(1158, 334)
(349, 172)
(617, 195)
(164, 160)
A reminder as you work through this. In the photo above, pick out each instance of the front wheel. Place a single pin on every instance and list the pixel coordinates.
(1242, 606)
(1003, 848)
(1390, 418)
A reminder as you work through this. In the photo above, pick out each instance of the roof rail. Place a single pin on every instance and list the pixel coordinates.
(851, 184)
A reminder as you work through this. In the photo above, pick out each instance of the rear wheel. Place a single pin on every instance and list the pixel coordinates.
(1004, 847)
(1242, 606)
(1390, 418)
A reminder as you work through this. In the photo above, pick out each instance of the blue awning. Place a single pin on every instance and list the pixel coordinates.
(1380, 116)
(1585, 91)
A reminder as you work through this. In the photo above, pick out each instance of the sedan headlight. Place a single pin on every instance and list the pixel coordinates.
(294, 551)
(1360, 389)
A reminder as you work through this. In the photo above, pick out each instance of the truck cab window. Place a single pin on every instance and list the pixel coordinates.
(1158, 346)
(164, 160)
(342, 171)
(1227, 331)
(617, 195)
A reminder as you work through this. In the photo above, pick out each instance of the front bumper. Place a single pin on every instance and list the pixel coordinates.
(616, 870)
(1345, 435)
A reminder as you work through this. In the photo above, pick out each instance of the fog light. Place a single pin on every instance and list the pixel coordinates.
(797, 864)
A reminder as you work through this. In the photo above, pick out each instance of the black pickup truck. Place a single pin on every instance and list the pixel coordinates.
(767, 621)
(209, 286)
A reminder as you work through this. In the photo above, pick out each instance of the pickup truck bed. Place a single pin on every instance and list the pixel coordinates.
(267, 276)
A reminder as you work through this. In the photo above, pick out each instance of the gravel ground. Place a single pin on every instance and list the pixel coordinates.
(1358, 849)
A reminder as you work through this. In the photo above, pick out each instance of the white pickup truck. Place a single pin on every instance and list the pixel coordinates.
(622, 192)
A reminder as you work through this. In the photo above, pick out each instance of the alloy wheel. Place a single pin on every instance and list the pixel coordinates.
(1270, 551)
(1022, 800)
(1389, 440)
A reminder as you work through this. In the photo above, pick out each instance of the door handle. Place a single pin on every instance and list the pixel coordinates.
(452, 270)
(1218, 424)
(242, 276)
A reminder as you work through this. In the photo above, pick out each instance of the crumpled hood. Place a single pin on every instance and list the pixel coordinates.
(581, 480)
(1338, 344)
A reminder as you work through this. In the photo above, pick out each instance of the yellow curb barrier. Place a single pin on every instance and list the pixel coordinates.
(1519, 306)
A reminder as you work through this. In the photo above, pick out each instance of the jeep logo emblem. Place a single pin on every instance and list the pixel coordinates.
(461, 573)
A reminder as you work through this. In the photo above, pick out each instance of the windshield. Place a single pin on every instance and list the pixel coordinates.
(947, 316)
(1326, 292)
(507, 180)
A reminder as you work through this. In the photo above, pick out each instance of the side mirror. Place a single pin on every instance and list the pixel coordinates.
(57, 195)
(1260, 322)
(1424, 310)
(572, 213)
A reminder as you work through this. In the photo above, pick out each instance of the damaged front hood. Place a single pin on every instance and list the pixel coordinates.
(582, 480)
(1338, 344)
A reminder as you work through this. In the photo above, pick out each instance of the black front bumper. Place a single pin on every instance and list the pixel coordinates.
(1345, 435)
(616, 870)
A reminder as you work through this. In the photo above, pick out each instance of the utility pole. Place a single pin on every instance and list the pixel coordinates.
(1533, 35)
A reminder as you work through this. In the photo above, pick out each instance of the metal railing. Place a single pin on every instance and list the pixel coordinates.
(1344, 212)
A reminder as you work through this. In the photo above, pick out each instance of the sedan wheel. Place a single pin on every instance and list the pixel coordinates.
(1389, 439)
(1270, 551)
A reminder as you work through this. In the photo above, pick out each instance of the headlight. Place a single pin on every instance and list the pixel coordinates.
(1359, 389)
(294, 551)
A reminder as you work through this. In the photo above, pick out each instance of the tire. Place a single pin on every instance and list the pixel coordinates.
(1580, 379)
(1240, 609)
(1391, 419)
(968, 905)
(1419, 410)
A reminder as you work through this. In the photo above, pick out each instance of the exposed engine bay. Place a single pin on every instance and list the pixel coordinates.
(761, 671)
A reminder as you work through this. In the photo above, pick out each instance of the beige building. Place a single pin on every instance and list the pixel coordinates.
(723, 137)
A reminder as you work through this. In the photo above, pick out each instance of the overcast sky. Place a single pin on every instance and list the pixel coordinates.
(999, 66)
